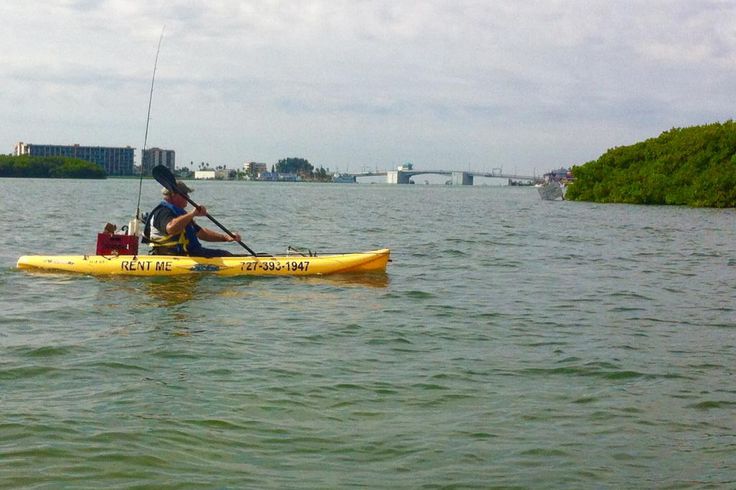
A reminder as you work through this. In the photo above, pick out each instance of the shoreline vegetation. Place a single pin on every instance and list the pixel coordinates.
(49, 167)
(693, 166)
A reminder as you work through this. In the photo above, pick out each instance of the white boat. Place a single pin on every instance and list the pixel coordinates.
(552, 190)
(344, 179)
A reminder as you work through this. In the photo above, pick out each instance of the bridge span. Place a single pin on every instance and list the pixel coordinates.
(458, 177)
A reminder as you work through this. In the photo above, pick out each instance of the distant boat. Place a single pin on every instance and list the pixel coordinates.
(552, 190)
(522, 183)
(344, 179)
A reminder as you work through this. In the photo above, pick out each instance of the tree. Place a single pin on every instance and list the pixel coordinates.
(49, 167)
(321, 175)
(693, 166)
(299, 166)
(184, 172)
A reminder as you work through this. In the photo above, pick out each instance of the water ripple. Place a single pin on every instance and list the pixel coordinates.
(513, 343)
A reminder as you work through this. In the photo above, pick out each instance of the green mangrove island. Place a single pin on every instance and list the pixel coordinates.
(49, 167)
(693, 166)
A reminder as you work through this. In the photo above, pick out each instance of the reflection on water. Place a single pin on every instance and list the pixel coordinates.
(154, 291)
(171, 291)
(176, 290)
(369, 279)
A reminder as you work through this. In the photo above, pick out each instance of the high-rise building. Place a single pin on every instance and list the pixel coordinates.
(115, 161)
(156, 156)
(254, 169)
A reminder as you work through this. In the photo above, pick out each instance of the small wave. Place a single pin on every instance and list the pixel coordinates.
(28, 372)
(597, 371)
(116, 365)
(481, 435)
(487, 315)
(722, 325)
(713, 404)
(429, 386)
(219, 372)
(570, 359)
(452, 252)
(705, 366)
(384, 341)
(540, 451)
(216, 424)
(462, 240)
(349, 386)
(625, 309)
(626, 347)
(623, 375)
(585, 400)
(46, 351)
(630, 295)
(545, 343)
(415, 294)
(700, 254)
(165, 354)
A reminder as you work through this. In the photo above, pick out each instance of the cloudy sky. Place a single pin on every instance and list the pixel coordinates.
(526, 86)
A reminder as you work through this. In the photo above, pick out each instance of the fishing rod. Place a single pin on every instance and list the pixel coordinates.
(135, 226)
(163, 175)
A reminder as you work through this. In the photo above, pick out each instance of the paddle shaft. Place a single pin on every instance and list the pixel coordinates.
(217, 223)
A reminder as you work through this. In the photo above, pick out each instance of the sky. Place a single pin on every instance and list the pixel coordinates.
(356, 85)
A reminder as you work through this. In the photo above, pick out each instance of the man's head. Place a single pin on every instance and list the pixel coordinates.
(182, 188)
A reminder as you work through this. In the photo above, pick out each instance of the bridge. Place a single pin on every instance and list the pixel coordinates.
(403, 175)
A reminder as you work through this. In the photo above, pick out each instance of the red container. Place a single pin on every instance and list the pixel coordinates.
(117, 244)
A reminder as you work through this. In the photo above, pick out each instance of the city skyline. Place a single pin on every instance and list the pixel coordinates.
(526, 87)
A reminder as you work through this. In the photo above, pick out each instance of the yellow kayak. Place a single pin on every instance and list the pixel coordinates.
(164, 265)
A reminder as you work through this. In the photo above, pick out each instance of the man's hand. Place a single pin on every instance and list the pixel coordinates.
(199, 211)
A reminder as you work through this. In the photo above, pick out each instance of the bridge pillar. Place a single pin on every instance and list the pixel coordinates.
(397, 177)
(462, 178)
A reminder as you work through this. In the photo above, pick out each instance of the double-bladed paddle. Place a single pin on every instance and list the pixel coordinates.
(164, 177)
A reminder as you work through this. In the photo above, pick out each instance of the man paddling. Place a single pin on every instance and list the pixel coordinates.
(171, 230)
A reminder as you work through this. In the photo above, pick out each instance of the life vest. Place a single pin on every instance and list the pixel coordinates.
(179, 244)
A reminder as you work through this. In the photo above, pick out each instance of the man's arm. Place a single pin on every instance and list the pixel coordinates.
(213, 236)
(177, 225)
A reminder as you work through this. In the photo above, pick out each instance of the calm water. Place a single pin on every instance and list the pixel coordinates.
(512, 343)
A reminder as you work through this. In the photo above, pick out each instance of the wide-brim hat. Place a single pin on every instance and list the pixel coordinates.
(181, 187)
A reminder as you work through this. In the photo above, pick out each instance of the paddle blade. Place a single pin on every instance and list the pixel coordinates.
(164, 177)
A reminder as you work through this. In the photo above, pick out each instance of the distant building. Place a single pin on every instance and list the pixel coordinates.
(278, 177)
(115, 160)
(255, 168)
(268, 176)
(289, 177)
(344, 178)
(560, 174)
(156, 156)
(204, 174)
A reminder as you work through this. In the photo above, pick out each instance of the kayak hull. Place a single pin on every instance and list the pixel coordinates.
(164, 265)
